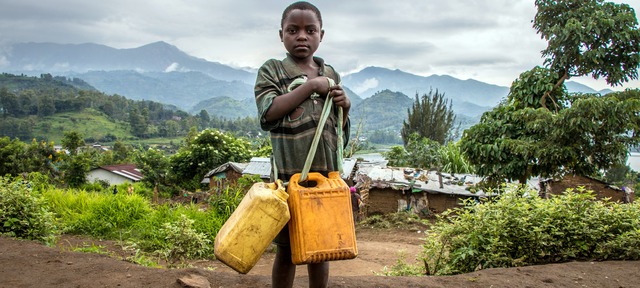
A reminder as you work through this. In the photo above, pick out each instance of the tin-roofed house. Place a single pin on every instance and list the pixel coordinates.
(223, 175)
(389, 190)
(115, 174)
(600, 188)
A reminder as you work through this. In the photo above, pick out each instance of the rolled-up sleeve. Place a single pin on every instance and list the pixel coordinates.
(267, 87)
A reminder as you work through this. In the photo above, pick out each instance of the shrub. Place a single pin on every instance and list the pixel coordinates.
(518, 229)
(182, 241)
(24, 214)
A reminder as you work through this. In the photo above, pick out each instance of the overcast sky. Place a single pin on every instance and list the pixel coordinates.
(491, 41)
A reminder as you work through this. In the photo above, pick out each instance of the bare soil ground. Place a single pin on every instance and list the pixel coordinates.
(31, 264)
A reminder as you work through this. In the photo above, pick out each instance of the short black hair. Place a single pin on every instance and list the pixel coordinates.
(301, 5)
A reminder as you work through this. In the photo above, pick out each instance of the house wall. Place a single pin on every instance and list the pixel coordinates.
(383, 201)
(439, 203)
(230, 177)
(601, 190)
(100, 174)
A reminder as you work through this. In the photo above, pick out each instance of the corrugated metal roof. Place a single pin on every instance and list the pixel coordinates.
(238, 167)
(262, 166)
(259, 166)
(129, 171)
(426, 181)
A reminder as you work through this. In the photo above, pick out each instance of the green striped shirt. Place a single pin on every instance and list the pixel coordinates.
(291, 138)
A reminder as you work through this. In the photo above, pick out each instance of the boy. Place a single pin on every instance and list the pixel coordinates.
(291, 117)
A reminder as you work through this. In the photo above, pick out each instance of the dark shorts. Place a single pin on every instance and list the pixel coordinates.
(282, 239)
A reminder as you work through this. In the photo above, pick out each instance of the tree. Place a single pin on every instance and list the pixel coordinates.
(589, 37)
(72, 141)
(580, 133)
(11, 153)
(138, 122)
(154, 166)
(75, 165)
(204, 151)
(204, 119)
(9, 103)
(430, 118)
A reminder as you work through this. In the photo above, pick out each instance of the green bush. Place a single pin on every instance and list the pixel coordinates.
(145, 231)
(517, 230)
(23, 213)
(182, 242)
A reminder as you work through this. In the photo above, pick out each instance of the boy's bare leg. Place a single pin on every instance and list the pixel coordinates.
(318, 275)
(283, 271)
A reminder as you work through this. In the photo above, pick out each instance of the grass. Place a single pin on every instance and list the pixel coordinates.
(90, 123)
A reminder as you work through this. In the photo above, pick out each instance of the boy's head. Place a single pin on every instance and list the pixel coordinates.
(301, 5)
(301, 31)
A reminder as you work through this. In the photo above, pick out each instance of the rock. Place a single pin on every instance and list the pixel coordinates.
(194, 281)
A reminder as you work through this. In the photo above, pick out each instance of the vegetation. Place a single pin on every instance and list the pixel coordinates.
(430, 118)
(542, 130)
(24, 214)
(521, 229)
(45, 107)
(428, 154)
(35, 210)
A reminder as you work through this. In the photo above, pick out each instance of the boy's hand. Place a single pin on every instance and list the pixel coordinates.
(340, 98)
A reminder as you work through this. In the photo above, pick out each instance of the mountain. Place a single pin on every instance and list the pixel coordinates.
(155, 57)
(182, 89)
(385, 110)
(575, 87)
(161, 72)
(373, 79)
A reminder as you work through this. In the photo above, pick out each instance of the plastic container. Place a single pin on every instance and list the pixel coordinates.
(321, 227)
(261, 214)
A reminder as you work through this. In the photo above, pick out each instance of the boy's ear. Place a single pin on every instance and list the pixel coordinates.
(280, 33)
(321, 34)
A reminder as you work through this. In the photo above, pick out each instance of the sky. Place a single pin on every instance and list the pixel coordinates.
(492, 41)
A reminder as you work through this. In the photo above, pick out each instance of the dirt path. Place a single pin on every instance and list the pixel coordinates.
(30, 264)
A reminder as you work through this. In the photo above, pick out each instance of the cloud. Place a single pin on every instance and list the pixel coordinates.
(367, 84)
(493, 40)
(173, 67)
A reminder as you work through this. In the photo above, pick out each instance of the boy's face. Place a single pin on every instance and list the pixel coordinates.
(301, 33)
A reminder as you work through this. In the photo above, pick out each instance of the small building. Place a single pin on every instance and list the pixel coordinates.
(224, 174)
(115, 174)
(262, 166)
(600, 188)
(388, 190)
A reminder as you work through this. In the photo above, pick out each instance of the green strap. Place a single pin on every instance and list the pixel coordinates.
(326, 111)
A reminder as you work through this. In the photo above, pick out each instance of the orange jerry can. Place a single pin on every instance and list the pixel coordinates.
(259, 217)
(321, 226)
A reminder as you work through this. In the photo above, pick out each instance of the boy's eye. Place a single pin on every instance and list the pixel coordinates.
(311, 31)
(291, 30)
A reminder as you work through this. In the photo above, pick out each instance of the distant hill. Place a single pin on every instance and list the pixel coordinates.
(155, 57)
(373, 79)
(384, 110)
(182, 89)
(162, 73)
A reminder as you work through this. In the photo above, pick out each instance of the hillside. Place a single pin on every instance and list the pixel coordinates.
(386, 110)
(161, 73)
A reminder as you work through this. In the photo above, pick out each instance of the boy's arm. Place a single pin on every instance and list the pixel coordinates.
(284, 104)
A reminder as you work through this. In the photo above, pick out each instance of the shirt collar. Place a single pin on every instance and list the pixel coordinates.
(293, 71)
